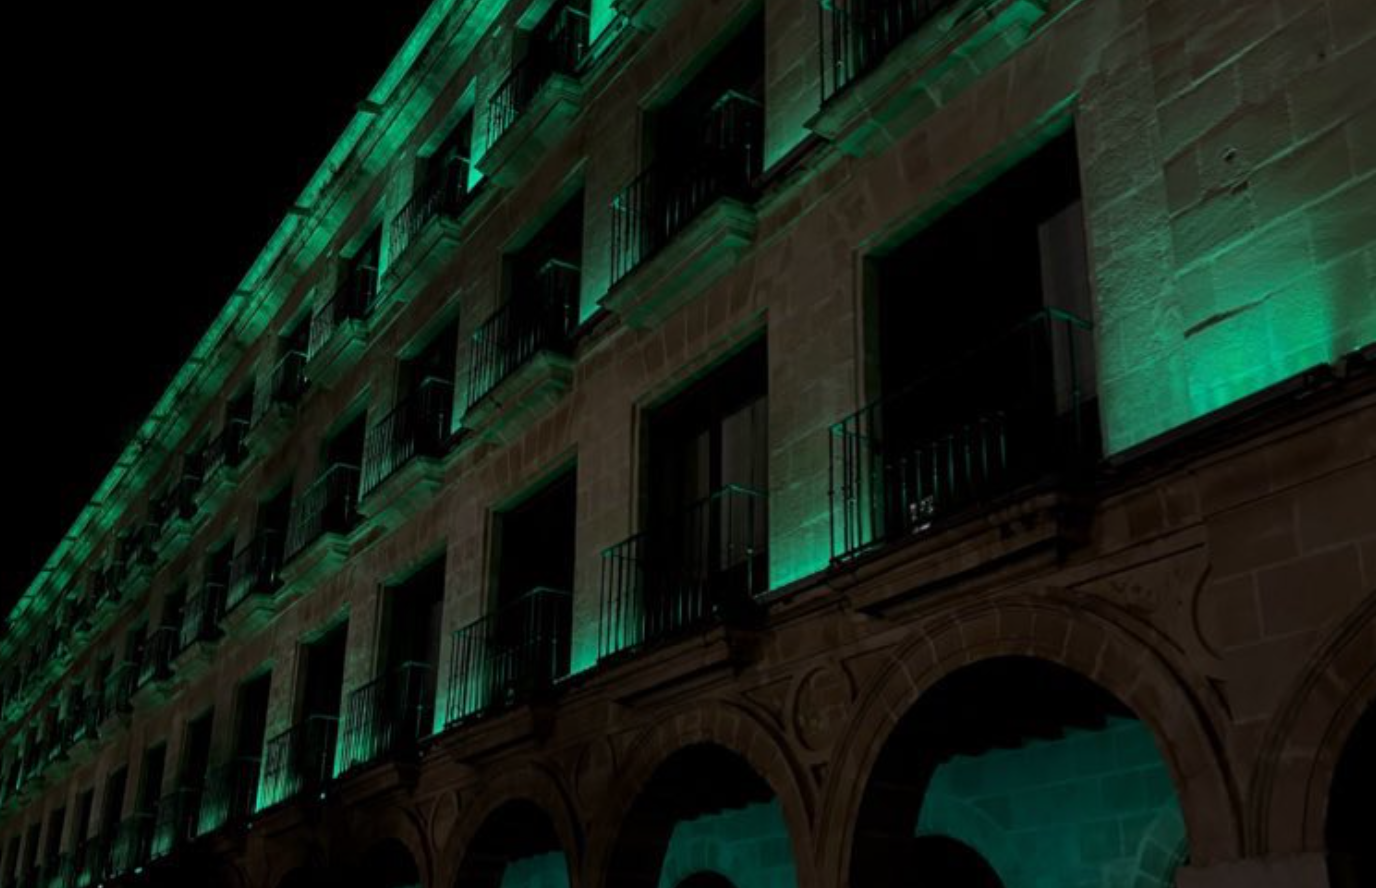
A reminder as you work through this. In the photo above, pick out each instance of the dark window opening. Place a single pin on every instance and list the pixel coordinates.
(856, 35)
(543, 282)
(442, 189)
(420, 423)
(256, 567)
(985, 360)
(704, 145)
(330, 504)
(557, 45)
(702, 553)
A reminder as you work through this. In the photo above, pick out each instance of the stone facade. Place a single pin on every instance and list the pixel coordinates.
(1217, 577)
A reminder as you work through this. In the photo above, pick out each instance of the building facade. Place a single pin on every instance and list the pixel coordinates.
(757, 443)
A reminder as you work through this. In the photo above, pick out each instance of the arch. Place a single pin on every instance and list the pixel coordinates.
(733, 729)
(704, 809)
(534, 793)
(1299, 755)
(705, 879)
(1351, 821)
(381, 839)
(1088, 637)
(388, 863)
(942, 861)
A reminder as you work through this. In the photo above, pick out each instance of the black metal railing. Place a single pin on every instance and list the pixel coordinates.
(178, 813)
(417, 426)
(163, 645)
(178, 504)
(255, 569)
(286, 383)
(389, 715)
(510, 656)
(225, 450)
(561, 53)
(119, 688)
(300, 759)
(92, 861)
(231, 792)
(666, 197)
(329, 505)
(133, 843)
(703, 566)
(353, 300)
(856, 35)
(444, 193)
(543, 320)
(1017, 409)
(201, 616)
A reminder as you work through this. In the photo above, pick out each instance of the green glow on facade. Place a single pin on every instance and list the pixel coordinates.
(1092, 808)
(749, 846)
(540, 871)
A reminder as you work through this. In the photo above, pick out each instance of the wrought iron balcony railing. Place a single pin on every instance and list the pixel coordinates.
(544, 320)
(178, 814)
(703, 566)
(417, 426)
(856, 35)
(1012, 412)
(443, 194)
(510, 656)
(254, 569)
(299, 760)
(288, 381)
(133, 843)
(354, 300)
(225, 450)
(231, 791)
(664, 199)
(119, 688)
(201, 616)
(329, 505)
(163, 645)
(562, 53)
(389, 715)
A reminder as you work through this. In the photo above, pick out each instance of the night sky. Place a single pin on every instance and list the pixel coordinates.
(154, 149)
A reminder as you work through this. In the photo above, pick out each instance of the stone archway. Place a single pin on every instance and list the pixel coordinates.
(703, 816)
(737, 734)
(1096, 642)
(515, 846)
(1351, 822)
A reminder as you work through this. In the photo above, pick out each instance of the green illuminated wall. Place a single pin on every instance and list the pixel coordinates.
(1091, 809)
(541, 871)
(749, 846)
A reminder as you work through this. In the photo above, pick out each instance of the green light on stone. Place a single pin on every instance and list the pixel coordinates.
(539, 871)
(600, 16)
(1092, 808)
(749, 846)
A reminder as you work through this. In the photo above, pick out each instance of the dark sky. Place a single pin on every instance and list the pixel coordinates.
(154, 147)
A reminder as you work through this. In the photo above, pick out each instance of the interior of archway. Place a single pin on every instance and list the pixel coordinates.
(1041, 774)
(705, 814)
(1350, 827)
(388, 864)
(516, 848)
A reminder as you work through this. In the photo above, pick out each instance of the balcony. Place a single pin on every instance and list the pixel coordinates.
(275, 402)
(533, 107)
(887, 64)
(426, 230)
(512, 656)
(389, 715)
(231, 791)
(201, 616)
(221, 456)
(338, 331)
(299, 760)
(133, 844)
(702, 567)
(156, 667)
(178, 814)
(119, 691)
(399, 466)
(1012, 413)
(254, 578)
(693, 219)
(321, 520)
(519, 366)
(176, 509)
